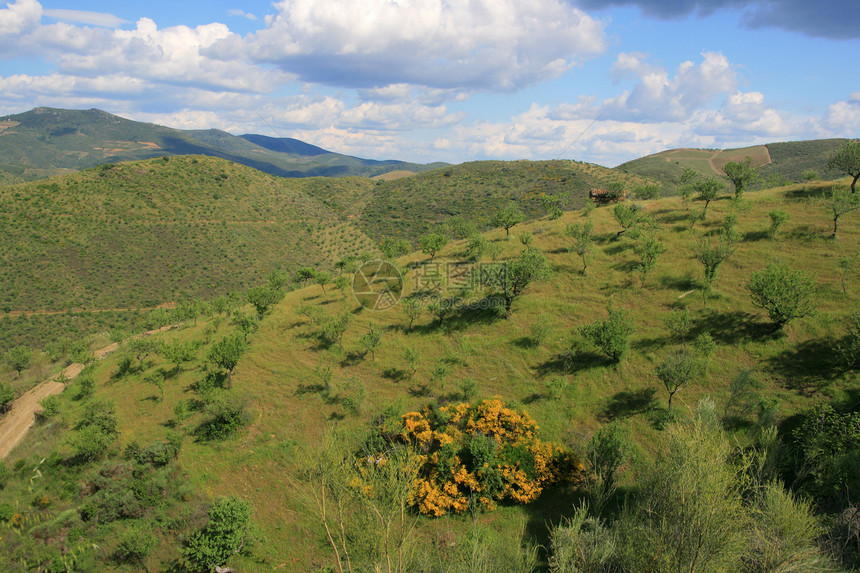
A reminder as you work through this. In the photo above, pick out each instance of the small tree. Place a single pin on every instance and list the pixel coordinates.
(785, 293)
(847, 159)
(777, 218)
(712, 256)
(612, 336)
(512, 278)
(647, 191)
(371, 340)
(413, 308)
(432, 243)
(227, 352)
(627, 215)
(810, 175)
(413, 358)
(526, 238)
(178, 353)
(677, 371)
(507, 217)
(708, 189)
(19, 358)
(842, 202)
(742, 173)
(678, 322)
(322, 279)
(606, 452)
(263, 297)
(848, 266)
(304, 274)
(341, 283)
(246, 323)
(582, 242)
(649, 249)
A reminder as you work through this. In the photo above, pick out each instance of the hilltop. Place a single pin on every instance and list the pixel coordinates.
(46, 141)
(293, 387)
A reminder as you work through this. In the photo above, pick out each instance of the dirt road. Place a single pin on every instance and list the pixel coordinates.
(15, 424)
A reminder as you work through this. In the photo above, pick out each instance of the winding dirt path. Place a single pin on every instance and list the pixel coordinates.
(22, 416)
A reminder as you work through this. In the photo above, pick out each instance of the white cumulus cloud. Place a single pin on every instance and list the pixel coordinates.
(483, 44)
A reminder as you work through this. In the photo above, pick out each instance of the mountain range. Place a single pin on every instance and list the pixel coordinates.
(45, 141)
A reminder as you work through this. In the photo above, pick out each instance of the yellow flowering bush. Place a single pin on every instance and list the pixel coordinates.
(479, 454)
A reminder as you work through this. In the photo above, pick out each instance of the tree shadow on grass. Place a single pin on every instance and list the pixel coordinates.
(805, 233)
(395, 374)
(682, 284)
(751, 236)
(618, 248)
(572, 362)
(628, 403)
(808, 366)
(674, 217)
(733, 327)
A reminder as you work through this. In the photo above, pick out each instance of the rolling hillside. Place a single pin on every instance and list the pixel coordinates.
(45, 141)
(296, 391)
(779, 163)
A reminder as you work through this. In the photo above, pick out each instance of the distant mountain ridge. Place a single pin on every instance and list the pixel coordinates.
(46, 141)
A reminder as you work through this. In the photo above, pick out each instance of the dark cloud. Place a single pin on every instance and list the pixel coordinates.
(836, 19)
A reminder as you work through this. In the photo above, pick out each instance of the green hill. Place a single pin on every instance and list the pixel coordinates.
(142, 233)
(294, 390)
(779, 163)
(46, 141)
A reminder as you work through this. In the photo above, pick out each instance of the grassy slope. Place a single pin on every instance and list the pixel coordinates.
(141, 233)
(796, 368)
(788, 161)
(411, 206)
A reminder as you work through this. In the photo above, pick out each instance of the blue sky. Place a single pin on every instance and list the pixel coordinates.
(433, 80)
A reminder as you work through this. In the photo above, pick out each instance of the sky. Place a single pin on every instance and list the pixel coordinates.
(603, 81)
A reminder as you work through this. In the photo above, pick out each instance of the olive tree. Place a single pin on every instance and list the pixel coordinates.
(847, 159)
(507, 217)
(512, 278)
(741, 173)
(842, 202)
(227, 352)
(432, 243)
(785, 292)
(263, 297)
(582, 240)
(708, 189)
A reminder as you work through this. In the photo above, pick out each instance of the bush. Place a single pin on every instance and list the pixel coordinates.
(50, 408)
(7, 397)
(785, 293)
(137, 542)
(227, 414)
(226, 534)
(477, 455)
